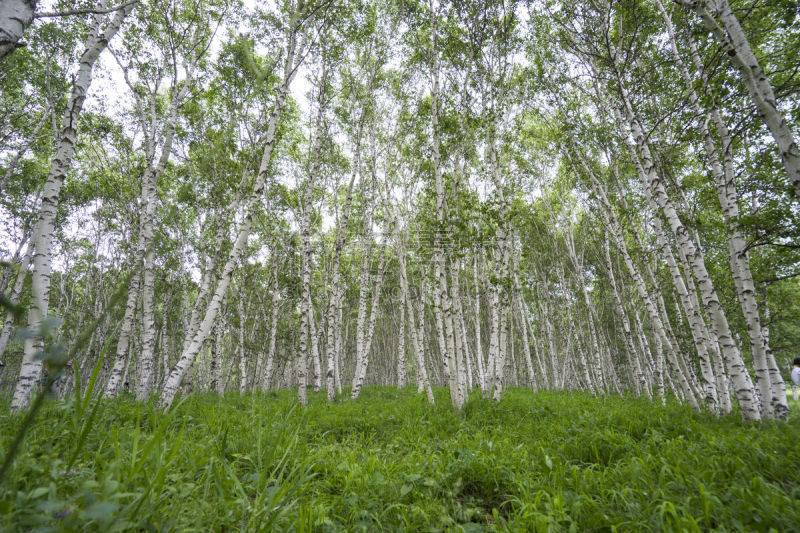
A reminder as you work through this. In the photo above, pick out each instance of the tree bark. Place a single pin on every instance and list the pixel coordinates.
(639, 383)
(16, 292)
(737, 47)
(291, 65)
(273, 332)
(363, 361)
(773, 396)
(96, 42)
(15, 17)
(415, 327)
(652, 183)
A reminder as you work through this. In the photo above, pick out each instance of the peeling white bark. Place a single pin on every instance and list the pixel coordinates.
(15, 17)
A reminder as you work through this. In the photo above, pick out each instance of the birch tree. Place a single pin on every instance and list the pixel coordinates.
(298, 31)
(102, 29)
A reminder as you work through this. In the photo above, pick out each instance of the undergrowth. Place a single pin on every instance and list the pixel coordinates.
(547, 461)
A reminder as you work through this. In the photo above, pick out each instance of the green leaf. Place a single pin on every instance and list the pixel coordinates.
(38, 492)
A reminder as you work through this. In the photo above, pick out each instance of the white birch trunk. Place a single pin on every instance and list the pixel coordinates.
(544, 313)
(315, 350)
(592, 366)
(96, 42)
(416, 329)
(16, 292)
(401, 346)
(260, 362)
(769, 382)
(146, 366)
(502, 354)
(462, 325)
(420, 326)
(217, 383)
(615, 230)
(242, 351)
(442, 308)
(361, 320)
(305, 307)
(503, 244)
(494, 337)
(543, 380)
(640, 382)
(187, 357)
(149, 188)
(744, 389)
(333, 341)
(526, 346)
(455, 344)
(647, 363)
(477, 323)
(339, 351)
(737, 47)
(463, 349)
(654, 187)
(701, 342)
(361, 369)
(720, 374)
(334, 304)
(273, 332)
(15, 17)
(438, 318)
(308, 338)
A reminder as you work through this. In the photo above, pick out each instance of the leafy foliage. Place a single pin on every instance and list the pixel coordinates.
(536, 462)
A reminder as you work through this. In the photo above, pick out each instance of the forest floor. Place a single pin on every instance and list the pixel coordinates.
(548, 461)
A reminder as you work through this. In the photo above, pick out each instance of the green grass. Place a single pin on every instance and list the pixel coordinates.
(549, 461)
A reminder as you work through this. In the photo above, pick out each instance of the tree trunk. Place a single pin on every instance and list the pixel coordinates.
(477, 323)
(612, 223)
(361, 320)
(773, 395)
(273, 332)
(361, 368)
(416, 328)
(146, 366)
(744, 388)
(305, 305)
(16, 292)
(737, 47)
(639, 382)
(15, 17)
(187, 357)
(401, 346)
(96, 42)
(242, 351)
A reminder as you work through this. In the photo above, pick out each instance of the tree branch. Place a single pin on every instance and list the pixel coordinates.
(91, 11)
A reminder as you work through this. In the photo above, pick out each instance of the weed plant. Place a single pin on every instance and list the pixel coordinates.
(547, 461)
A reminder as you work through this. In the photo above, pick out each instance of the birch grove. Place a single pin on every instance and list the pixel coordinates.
(468, 196)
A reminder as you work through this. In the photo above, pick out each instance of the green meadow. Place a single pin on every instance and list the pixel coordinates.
(546, 461)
